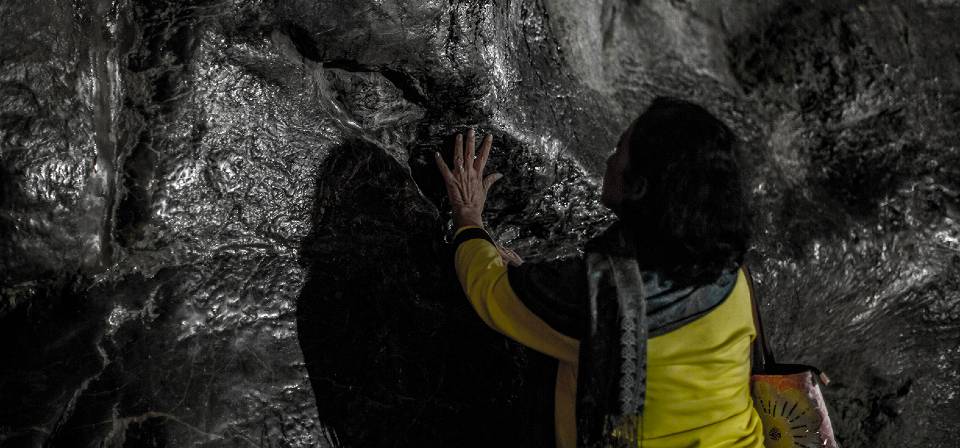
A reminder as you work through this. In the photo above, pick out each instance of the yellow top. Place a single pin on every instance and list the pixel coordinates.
(698, 376)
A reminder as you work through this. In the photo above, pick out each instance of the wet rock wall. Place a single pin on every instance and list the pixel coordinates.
(222, 227)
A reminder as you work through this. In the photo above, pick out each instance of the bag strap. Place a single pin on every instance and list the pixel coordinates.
(762, 355)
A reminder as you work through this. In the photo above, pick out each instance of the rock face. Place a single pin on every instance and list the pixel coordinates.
(222, 226)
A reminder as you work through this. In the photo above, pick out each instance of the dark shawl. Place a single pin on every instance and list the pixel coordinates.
(613, 308)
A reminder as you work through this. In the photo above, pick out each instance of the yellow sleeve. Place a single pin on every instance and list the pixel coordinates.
(483, 276)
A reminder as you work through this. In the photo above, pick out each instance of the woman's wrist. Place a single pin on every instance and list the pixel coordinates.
(467, 219)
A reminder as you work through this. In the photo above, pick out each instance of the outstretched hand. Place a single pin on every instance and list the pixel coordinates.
(466, 186)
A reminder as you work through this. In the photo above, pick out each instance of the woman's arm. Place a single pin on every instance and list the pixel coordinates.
(480, 268)
(484, 278)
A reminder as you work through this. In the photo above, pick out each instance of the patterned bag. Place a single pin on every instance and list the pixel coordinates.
(787, 396)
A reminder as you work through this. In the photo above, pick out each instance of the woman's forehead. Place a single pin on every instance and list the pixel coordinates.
(625, 135)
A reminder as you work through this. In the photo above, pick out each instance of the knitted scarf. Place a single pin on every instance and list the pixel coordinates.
(625, 308)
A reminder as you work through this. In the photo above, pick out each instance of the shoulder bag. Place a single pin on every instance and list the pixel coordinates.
(787, 396)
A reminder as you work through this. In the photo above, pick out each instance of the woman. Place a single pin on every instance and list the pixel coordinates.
(653, 327)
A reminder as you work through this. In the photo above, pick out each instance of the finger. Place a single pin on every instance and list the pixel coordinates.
(442, 166)
(471, 141)
(511, 256)
(453, 193)
(481, 161)
(448, 180)
(489, 180)
(458, 153)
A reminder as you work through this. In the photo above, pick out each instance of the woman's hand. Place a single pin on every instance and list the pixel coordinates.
(508, 256)
(466, 186)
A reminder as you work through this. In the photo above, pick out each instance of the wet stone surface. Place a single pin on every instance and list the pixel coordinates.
(221, 225)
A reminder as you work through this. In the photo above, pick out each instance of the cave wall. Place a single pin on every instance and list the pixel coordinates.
(222, 225)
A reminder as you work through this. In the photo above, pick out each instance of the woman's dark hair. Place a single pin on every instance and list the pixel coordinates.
(692, 221)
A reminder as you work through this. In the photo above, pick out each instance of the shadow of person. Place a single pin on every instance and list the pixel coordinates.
(395, 354)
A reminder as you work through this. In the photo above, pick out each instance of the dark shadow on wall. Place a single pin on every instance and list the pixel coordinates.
(49, 350)
(395, 354)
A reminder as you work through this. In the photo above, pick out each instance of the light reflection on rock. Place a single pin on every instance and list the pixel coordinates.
(203, 202)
